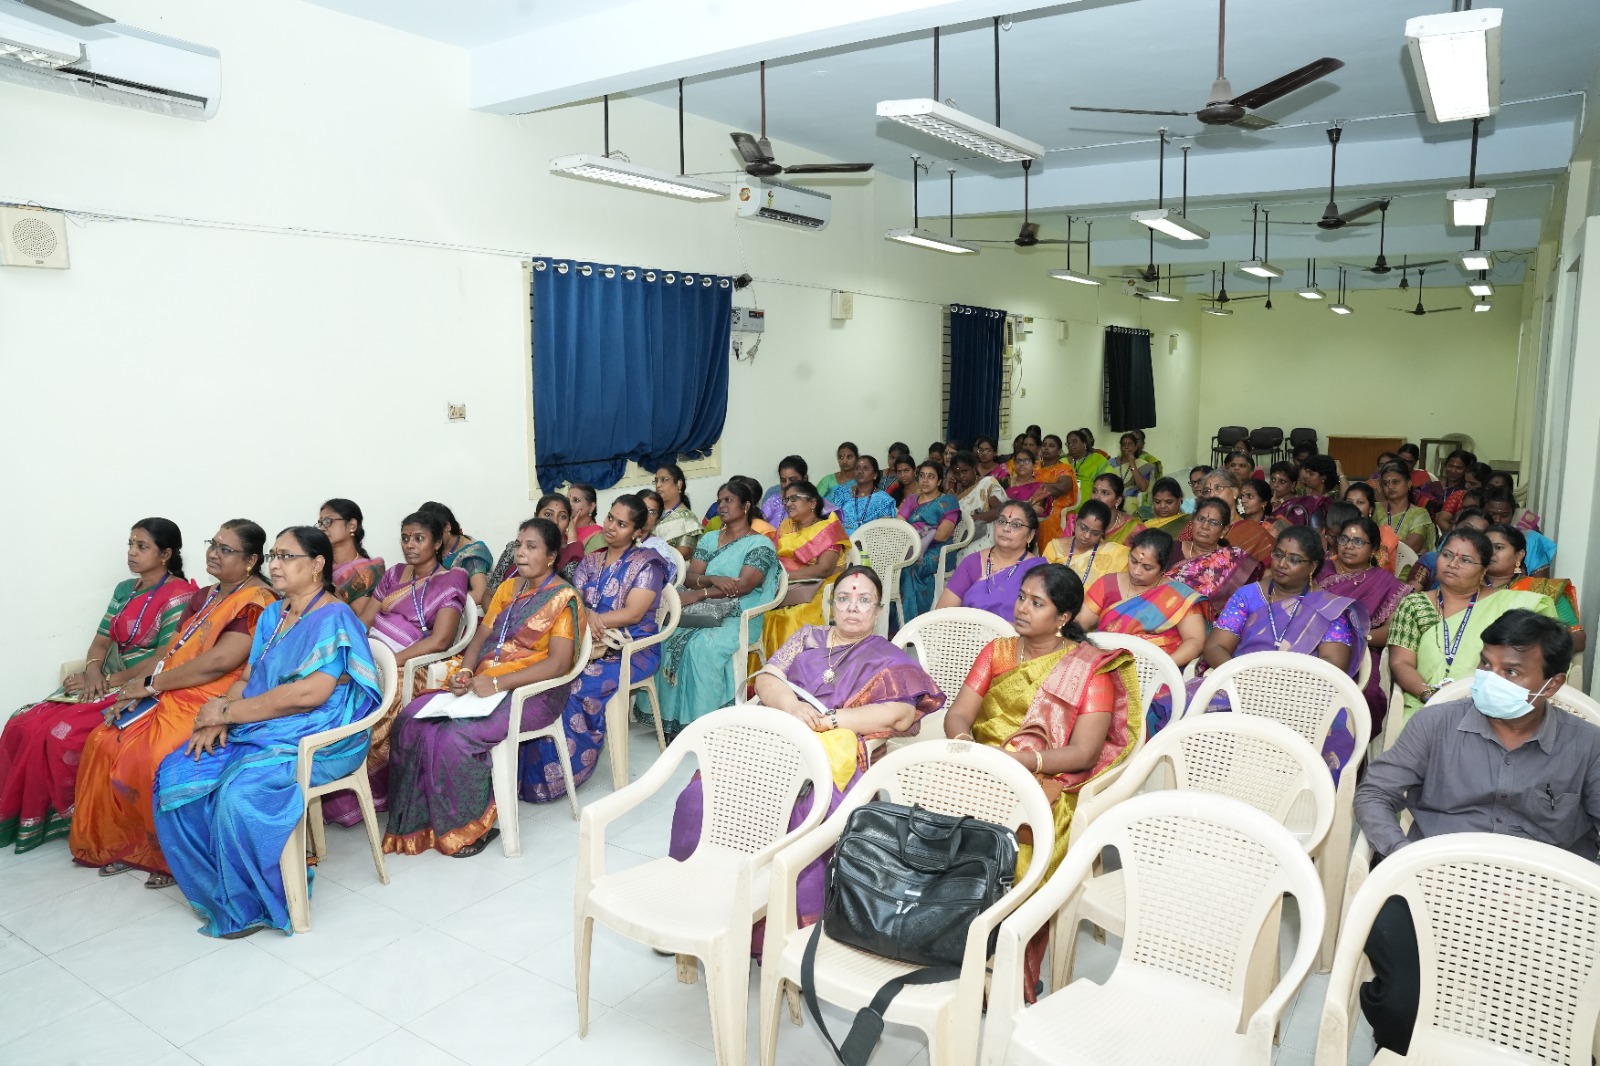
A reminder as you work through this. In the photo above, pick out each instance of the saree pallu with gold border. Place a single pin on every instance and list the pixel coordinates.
(41, 745)
(115, 818)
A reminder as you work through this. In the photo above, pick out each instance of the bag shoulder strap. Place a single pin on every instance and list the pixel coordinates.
(867, 1029)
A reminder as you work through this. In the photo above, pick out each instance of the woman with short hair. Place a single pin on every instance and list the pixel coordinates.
(113, 822)
(355, 573)
(1142, 601)
(227, 802)
(41, 746)
(441, 792)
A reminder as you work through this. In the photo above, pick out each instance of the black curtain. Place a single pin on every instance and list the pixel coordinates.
(1130, 396)
(977, 340)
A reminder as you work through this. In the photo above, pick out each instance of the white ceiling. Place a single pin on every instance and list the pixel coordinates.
(1113, 53)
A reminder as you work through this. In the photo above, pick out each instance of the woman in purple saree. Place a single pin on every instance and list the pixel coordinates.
(847, 684)
(1285, 613)
(1353, 572)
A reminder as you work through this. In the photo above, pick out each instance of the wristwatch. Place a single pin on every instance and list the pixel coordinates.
(150, 686)
(1428, 692)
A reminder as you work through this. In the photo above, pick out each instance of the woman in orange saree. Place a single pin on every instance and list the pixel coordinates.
(113, 826)
(40, 745)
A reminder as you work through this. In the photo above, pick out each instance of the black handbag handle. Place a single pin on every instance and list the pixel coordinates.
(867, 1028)
(953, 835)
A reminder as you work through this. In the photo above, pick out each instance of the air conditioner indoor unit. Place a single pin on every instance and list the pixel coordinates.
(82, 53)
(780, 201)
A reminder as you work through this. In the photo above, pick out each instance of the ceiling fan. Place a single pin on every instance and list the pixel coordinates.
(1152, 273)
(1219, 297)
(1028, 236)
(1381, 266)
(1332, 218)
(757, 154)
(1419, 309)
(1223, 108)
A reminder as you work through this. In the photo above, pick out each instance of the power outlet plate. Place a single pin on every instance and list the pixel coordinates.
(455, 412)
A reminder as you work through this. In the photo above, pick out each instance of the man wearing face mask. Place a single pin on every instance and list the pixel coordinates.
(1501, 760)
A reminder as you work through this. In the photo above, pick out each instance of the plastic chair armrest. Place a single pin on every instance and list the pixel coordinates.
(315, 742)
(1005, 995)
(763, 856)
(1333, 1034)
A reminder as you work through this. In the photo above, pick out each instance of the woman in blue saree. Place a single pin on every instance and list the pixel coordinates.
(620, 585)
(733, 570)
(226, 803)
(933, 513)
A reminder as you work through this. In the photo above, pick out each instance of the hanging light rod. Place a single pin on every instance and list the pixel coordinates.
(1311, 292)
(611, 171)
(1456, 57)
(1341, 308)
(943, 121)
(1164, 219)
(1471, 206)
(1072, 275)
(1260, 268)
(918, 237)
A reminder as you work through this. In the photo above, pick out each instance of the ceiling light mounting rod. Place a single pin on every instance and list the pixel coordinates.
(1184, 210)
(997, 70)
(682, 168)
(1266, 244)
(605, 124)
(1255, 209)
(1334, 133)
(1088, 248)
(952, 203)
(1222, 34)
(936, 62)
(1472, 166)
(916, 210)
(1161, 173)
(763, 99)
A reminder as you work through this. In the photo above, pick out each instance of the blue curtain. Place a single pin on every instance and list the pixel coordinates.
(628, 364)
(977, 340)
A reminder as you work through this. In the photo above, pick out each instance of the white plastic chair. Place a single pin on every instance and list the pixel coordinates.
(1262, 763)
(1569, 699)
(1405, 557)
(1204, 875)
(292, 862)
(1156, 669)
(465, 628)
(957, 778)
(888, 545)
(753, 763)
(950, 550)
(1508, 936)
(619, 708)
(947, 642)
(503, 756)
(748, 645)
(1306, 694)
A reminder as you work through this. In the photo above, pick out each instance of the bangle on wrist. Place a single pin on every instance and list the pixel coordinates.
(1038, 762)
(963, 736)
(495, 681)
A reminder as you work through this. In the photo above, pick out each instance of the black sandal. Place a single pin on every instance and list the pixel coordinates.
(476, 846)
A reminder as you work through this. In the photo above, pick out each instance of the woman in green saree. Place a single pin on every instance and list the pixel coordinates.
(1053, 701)
(1436, 637)
(733, 570)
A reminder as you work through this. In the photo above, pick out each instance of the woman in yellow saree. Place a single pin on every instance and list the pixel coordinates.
(812, 549)
(1053, 701)
(114, 823)
(1084, 547)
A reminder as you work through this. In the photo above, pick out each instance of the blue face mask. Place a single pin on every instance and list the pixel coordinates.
(1498, 698)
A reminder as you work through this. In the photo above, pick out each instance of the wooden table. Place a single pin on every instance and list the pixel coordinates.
(1358, 456)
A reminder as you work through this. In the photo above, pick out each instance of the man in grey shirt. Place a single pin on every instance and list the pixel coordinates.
(1501, 761)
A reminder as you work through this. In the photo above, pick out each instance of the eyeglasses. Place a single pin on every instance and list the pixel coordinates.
(327, 523)
(222, 549)
(866, 603)
(1352, 542)
(1292, 560)
(1010, 523)
(653, 512)
(1206, 520)
(283, 557)
(1089, 532)
(1454, 557)
(793, 498)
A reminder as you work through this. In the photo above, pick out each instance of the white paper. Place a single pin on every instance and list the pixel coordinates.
(466, 705)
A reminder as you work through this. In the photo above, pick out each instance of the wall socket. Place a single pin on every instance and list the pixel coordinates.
(455, 412)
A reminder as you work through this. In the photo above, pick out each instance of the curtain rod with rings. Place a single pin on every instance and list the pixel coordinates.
(968, 309)
(1128, 329)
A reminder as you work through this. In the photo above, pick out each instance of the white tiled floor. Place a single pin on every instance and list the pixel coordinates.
(455, 962)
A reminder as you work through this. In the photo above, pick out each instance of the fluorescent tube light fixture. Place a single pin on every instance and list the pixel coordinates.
(1480, 288)
(926, 238)
(1481, 306)
(1475, 260)
(1456, 57)
(1220, 312)
(1160, 297)
(1076, 277)
(616, 172)
(958, 127)
(1470, 207)
(1310, 293)
(43, 58)
(1340, 309)
(1166, 220)
(1261, 269)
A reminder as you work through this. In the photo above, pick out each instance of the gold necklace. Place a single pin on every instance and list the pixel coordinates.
(828, 675)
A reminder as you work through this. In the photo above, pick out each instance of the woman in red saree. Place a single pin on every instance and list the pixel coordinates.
(114, 825)
(1053, 701)
(1142, 602)
(40, 745)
